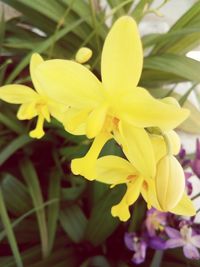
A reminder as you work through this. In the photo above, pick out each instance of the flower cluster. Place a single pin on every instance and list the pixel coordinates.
(163, 230)
(115, 107)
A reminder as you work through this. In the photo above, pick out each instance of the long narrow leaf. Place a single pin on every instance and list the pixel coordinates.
(11, 148)
(9, 231)
(32, 181)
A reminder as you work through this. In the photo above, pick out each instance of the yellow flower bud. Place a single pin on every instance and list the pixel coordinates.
(170, 182)
(83, 55)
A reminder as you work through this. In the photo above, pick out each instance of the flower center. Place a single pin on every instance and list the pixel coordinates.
(131, 178)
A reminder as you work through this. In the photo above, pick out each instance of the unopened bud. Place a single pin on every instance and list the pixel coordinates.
(83, 55)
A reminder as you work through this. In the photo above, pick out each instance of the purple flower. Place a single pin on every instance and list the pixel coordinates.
(186, 238)
(156, 242)
(155, 221)
(195, 164)
(136, 244)
(182, 158)
(188, 184)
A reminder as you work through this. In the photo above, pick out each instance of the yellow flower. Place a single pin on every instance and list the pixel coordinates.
(114, 170)
(115, 107)
(33, 103)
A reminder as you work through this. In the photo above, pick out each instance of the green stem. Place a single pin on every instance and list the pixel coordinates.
(194, 197)
(168, 145)
(92, 6)
(157, 258)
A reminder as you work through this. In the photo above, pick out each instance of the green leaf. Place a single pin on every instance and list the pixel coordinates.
(180, 45)
(11, 123)
(9, 232)
(27, 214)
(101, 223)
(138, 215)
(53, 209)
(12, 147)
(76, 190)
(19, 202)
(192, 124)
(73, 222)
(138, 11)
(41, 48)
(32, 181)
(3, 69)
(179, 65)
(2, 29)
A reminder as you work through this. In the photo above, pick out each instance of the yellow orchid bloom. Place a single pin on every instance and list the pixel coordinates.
(114, 170)
(33, 103)
(115, 107)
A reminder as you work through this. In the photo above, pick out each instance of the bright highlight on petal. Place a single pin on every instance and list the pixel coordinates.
(170, 182)
(122, 57)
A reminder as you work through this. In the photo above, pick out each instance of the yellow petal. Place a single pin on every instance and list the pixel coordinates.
(122, 56)
(38, 132)
(159, 145)
(45, 112)
(138, 149)
(36, 60)
(27, 111)
(171, 100)
(86, 166)
(57, 110)
(17, 94)
(142, 110)
(148, 192)
(174, 141)
(113, 170)
(74, 121)
(170, 182)
(185, 207)
(133, 190)
(95, 121)
(83, 55)
(69, 83)
(121, 210)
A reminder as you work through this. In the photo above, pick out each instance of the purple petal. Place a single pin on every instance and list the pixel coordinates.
(174, 243)
(187, 175)
(196, 241)
(195, 165)
(140, 254)
(172, 233)
(182, 153)
(128, 240)
(156, 243)
(197, 149)
(191, 252)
